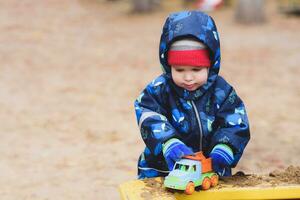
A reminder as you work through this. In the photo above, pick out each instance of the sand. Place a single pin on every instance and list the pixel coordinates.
(70, 71)
(288, 176)
(155, 189)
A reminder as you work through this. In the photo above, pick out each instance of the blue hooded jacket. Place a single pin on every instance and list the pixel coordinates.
(213, 114)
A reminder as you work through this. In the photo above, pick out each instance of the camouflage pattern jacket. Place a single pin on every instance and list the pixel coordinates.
(203, 118)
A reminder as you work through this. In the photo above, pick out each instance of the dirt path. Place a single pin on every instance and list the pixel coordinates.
(70, 71)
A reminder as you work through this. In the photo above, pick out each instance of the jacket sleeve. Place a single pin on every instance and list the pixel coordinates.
(232, 126)
(150, 108)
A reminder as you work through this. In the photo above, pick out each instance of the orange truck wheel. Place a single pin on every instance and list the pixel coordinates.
(190, 188)
(214, 180)
(206, 183)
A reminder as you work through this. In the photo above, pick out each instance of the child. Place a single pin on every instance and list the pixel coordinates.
(190, 108)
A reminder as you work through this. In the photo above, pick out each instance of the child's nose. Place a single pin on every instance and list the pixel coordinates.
(188, 77)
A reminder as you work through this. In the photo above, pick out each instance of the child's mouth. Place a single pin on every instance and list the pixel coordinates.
(189, 87)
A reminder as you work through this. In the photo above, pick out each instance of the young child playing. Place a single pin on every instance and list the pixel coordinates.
(190, 108)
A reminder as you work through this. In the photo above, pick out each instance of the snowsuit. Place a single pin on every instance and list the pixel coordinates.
(213, 114)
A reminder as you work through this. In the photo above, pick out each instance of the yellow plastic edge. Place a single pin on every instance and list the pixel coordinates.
(279, 192)
(133, 190)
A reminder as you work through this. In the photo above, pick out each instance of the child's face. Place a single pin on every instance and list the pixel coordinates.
(189, 77)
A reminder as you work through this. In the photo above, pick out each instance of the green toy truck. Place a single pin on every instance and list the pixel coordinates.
(190, 172)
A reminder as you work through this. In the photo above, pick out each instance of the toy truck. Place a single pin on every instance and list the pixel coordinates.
(190, 172)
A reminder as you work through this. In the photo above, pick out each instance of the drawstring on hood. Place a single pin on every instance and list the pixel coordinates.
(198, 26)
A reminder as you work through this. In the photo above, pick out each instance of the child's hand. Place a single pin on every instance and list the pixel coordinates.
(222, 157)
(174, 150)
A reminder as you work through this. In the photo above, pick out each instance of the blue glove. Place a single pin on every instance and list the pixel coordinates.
(222, 158)
(174, 150)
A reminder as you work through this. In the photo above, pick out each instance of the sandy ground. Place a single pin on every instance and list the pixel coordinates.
(70, 71)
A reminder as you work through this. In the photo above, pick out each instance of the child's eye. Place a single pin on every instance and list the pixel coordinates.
(196, 69)
(179, 70)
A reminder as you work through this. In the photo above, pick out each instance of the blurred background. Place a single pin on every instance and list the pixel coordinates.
(70, 71)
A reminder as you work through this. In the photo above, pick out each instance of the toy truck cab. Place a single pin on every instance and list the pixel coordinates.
(190, 172)
(184, 171)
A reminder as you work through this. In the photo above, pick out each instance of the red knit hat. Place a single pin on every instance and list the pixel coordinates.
(189, 52)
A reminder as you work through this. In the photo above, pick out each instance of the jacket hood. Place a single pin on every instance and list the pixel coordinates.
(197, 25)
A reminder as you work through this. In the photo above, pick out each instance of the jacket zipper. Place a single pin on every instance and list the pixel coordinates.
(199, 124)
